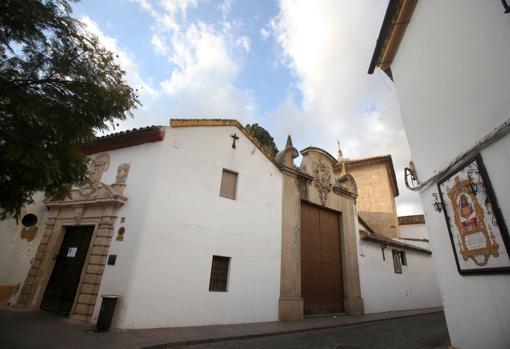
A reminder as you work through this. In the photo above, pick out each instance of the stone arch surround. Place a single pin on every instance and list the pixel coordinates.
(315, 183)
(94, 204)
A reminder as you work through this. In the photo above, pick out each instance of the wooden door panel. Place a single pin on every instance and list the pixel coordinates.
(65, 277)
(322, 285)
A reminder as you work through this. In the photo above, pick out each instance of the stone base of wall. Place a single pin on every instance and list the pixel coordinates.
(291, 309)
(6, 293)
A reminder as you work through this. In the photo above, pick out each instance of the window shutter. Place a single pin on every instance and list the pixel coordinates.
(228, 184)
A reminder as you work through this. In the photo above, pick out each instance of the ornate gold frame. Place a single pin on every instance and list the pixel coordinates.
(463, 187)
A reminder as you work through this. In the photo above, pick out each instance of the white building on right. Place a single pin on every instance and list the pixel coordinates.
(450, 61)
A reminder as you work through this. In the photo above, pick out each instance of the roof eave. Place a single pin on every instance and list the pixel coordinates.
(393, 243)
(123, 139)
(383, 33)
(398, 14)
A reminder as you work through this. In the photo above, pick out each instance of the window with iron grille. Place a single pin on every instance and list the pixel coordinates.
(228, 184)
(403, 257)
(219, 274)
(396, 262)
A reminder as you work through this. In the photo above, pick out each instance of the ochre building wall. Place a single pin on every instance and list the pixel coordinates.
(376, 203)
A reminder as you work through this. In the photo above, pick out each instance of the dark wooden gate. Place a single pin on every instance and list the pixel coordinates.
(65, 278)
(321, 268)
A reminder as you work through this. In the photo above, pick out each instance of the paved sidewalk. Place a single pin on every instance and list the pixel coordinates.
(32, 330)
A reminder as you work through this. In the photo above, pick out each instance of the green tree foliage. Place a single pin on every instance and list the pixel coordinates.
(58, 86)
(265, 139)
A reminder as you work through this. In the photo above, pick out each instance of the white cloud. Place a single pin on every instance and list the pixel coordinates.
(327, 45)
(205, 60)
(174, 6)
(123, 57)
(225, 7)
(152, 108)
(159, 47)
(201, 57)
(244, 43)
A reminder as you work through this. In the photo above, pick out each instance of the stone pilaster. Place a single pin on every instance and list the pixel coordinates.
(89, 288)
(352, 289)
(29, 286)
(291, 302)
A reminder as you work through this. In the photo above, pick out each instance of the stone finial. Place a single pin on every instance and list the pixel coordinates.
(286, 156)
(121, 178)
(122, 173)
(341, 160)
(340, 157)
(289, 142)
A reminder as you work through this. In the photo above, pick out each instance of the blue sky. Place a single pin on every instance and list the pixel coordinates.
(295, 67)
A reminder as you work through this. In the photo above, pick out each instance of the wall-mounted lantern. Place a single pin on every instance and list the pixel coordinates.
(438, 205)
(506, 6)
(473, 185)
(411, 179)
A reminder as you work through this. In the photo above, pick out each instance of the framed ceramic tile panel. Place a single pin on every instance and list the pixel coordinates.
(477, 230)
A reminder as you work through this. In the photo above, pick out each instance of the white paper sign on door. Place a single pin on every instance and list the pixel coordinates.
(72, 251)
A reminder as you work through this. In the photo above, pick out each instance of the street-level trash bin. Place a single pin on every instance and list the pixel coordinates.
(104, 319)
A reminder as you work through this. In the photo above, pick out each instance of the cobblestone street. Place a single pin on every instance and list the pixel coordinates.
(418, 332)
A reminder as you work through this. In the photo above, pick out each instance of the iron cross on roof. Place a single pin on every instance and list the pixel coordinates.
(234, 139)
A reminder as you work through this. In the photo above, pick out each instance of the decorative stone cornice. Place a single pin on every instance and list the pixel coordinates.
(94, 192)
(346, 185)
(321, 165)
(324, 153)
(103, 194)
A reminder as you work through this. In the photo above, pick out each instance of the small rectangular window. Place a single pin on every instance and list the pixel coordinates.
(228, 184)
(403, 257)
(219, 274)
(396, 262)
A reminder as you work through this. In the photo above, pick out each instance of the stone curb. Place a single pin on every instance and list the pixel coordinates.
(279, 332)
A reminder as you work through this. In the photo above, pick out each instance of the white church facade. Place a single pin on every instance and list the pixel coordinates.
(196, 224)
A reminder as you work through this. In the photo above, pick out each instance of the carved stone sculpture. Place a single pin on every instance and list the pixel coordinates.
(348, 183)
(122, 173)
(321, 179)
(95, 171)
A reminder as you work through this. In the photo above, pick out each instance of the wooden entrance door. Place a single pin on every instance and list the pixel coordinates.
(321, 268)
(65, 278)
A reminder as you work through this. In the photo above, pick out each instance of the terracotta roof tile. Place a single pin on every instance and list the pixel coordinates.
(414, 219)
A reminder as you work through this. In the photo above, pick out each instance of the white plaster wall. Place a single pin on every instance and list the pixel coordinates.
(476, 306)
(414, 231)
(384, 290)
(452, 77)
(144, 169)
(16, 253)
(186, 222)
